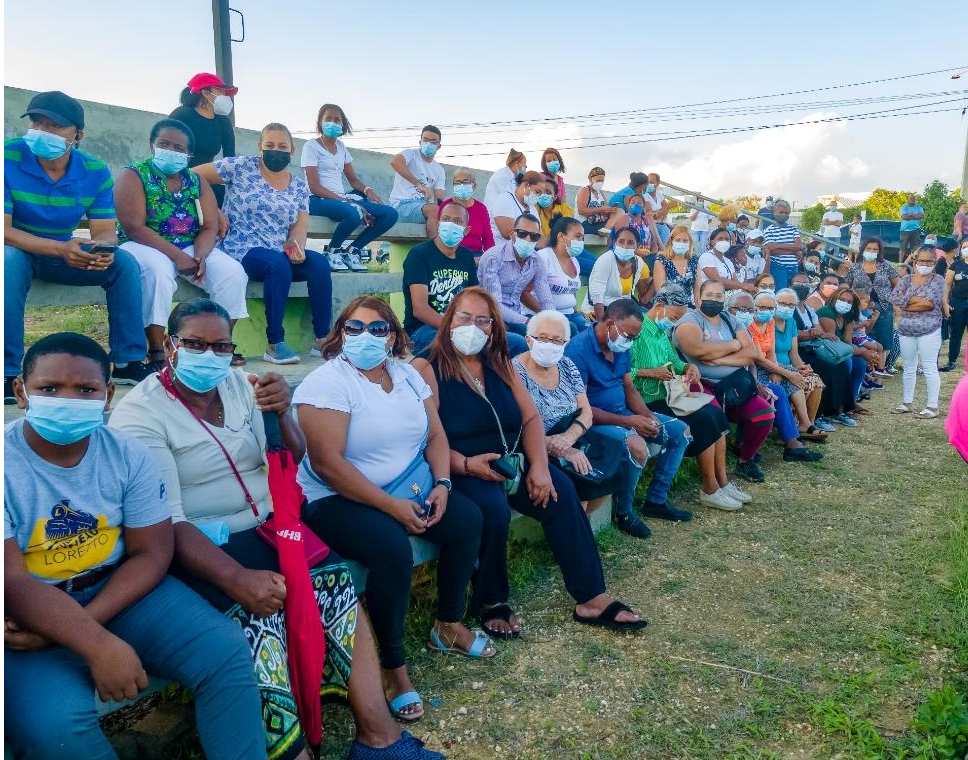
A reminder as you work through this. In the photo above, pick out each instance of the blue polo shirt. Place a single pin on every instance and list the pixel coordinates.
(604, 379)
(51, 209)
(909, 225)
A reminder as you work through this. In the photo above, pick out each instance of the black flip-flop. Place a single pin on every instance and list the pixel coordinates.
(498, 612)
(607, 619)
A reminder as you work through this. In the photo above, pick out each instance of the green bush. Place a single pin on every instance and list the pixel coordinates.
(940, 206)
(942, 723)
(811, 218)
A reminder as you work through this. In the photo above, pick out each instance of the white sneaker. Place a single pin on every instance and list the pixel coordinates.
(337, 262)
(352, 257)
(719, 500)
(734, 492)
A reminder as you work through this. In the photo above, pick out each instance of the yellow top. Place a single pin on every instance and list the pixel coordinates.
(627, 284)
(546, 214)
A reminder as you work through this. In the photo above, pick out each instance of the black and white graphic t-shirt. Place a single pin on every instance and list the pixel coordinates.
(444, 277)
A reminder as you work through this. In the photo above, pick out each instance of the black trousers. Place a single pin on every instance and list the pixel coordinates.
(565, 527)
(377, 541)
(956, 328)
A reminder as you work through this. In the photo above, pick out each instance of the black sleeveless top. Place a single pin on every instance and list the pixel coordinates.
(468, 420)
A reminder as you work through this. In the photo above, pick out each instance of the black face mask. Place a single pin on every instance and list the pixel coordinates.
(711, 308)
(276, 160)
(802, 291)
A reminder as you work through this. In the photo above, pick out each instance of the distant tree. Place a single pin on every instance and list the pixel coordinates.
(749, 202)
(811, 217)
(940, 206)
(886, 204)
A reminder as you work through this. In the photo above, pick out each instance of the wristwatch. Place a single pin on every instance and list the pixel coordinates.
(445, 482)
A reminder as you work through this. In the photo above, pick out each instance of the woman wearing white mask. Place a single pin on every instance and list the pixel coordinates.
(592, 210)
(509, 205)
(876, 275)
(618, 273)
(675, 263)
(206, 103)
(920, 297)
(505, 179)
(499, 461)
(714, 265)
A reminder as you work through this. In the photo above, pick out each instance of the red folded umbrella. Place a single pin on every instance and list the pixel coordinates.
(304, 628)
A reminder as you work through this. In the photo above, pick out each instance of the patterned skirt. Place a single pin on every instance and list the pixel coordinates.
(336, 598)
(811, 382)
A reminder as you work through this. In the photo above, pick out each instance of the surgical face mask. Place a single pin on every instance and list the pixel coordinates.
(276, 160)
(201, 372)
(665, 323)
(524, 248)
(554, 167)
(827, 290)
(753, 250)
(531, 199)
(810, 266)
(331, 129)
(427, 148)
(222, 105)
(767, 289)
(781, 218)
(679, 248)
(463, 192)
(711, 308)
(731, 227)
(169, 162)
(575, 247)
(743, 317)
(832, 209)
(650, 188)
(544, 200)
(468, 339)
(964, 253)
(621, 344)
(923, 270)
(843, 307)
(63, 421)
(769, 204)
(870, 255)
(722, 246)
(784, 312)
(802, 291)
(635, 209)
(764, 315)
(623, 254)
(597, 186)
(365, 351)
(546, 354)
(450, 234)
(45, 145)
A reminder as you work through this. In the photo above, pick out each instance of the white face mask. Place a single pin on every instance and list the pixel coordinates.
(722, 246)
(923, 270)
(546, 354)
(597, 186)
(468, 339)
(964, 253)
(222, 105)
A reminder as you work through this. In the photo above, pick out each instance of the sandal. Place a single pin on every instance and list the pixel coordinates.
(901, 409)
(858, 409)
(406, 699)
(607, 619)
(476, 651)
(926, 414)
(815, 434)
(498, 612)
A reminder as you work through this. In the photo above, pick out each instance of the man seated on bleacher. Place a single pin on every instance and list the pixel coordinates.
(87, 543)
(419, 182)
(48, 186)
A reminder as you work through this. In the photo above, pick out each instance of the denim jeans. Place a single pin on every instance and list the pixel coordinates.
(424, 335)
(347, 219)
(277, 272)
(785, 423)
(586, 261)
(782, 273)
(699, 238)
(50, 707)
(664, 232)
(578, 322)
(858, 368)
(122, 285)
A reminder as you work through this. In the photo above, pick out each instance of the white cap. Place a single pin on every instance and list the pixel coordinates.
(754, 234)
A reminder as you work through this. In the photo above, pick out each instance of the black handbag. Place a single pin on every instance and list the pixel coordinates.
(605, 454)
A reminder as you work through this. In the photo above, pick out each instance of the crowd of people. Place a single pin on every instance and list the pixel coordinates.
(135, 547)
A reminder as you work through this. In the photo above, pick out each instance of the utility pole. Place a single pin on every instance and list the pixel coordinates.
(222, 27)
(964, 166)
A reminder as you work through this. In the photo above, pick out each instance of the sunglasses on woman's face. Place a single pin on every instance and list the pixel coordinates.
(378, 328)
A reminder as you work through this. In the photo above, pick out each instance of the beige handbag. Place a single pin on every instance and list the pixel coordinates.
(680, 399)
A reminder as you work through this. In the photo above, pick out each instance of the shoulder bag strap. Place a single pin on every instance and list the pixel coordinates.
(479, 391)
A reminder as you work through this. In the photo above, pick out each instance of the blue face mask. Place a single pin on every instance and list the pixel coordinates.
(575, 248)
(635, 209)
(781, 218)
(623, 254)
(665, 323)
(428, 149)
(869, 255)
(621, 344)
(554, 167)
(744, 318)
(169, 162)
(731, 227)
(450, 234)
(679, 248)
(650, 188)
(810, 266)
(531, 199)
(63, 421)
(784, 312)
(331, 129)
(463, 192)
(45, 145)
(201, 372)
(843, 307)
(524, 248)
(754, 250)
(544, 200)
(365, 351)
(764, 315)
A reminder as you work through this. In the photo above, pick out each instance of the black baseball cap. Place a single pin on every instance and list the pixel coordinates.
(60, 108)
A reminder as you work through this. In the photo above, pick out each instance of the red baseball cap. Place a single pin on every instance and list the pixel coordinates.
(202, 81)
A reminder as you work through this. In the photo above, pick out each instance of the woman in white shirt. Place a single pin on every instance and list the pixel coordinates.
(713, 264)
(326, 161)
(567, 241)
(505, 180)
(377, 472)
(185, 415)
(618, 273)
(510, 204)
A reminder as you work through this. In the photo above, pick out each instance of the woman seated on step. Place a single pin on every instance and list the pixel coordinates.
(499, 461)
(203, 423)
(377, 472)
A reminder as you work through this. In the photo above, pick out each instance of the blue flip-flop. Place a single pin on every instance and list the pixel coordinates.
(476, 650)
(405, 700)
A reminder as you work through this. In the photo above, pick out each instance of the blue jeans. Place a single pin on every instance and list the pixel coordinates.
(348, 219)
(782, 273)
(784, 421)
(122, 285)
(664, 232)
(578, 322)
(277, 272)
(424, 335)
(50, 706)
(586, 260)
(858, 368)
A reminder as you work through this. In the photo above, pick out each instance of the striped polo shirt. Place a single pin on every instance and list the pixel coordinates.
(51, 209)
(783, 234)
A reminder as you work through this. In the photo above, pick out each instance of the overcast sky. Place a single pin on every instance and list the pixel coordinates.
(392, 63)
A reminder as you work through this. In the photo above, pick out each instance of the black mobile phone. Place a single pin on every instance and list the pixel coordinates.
(98, 247)
(502, 468)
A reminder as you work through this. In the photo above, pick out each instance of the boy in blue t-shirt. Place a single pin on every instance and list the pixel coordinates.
(87, 544)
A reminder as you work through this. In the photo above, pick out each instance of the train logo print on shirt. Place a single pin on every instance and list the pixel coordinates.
(69, 542)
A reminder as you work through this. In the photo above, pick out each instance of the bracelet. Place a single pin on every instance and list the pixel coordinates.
(581, 425)
(466, 471)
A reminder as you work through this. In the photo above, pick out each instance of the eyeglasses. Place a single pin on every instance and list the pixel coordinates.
(785, 303)
(546, 339)
(532, 236)
(462, 318)
(743, 309)
(463, 182)
(378, 328)
(193, 346)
